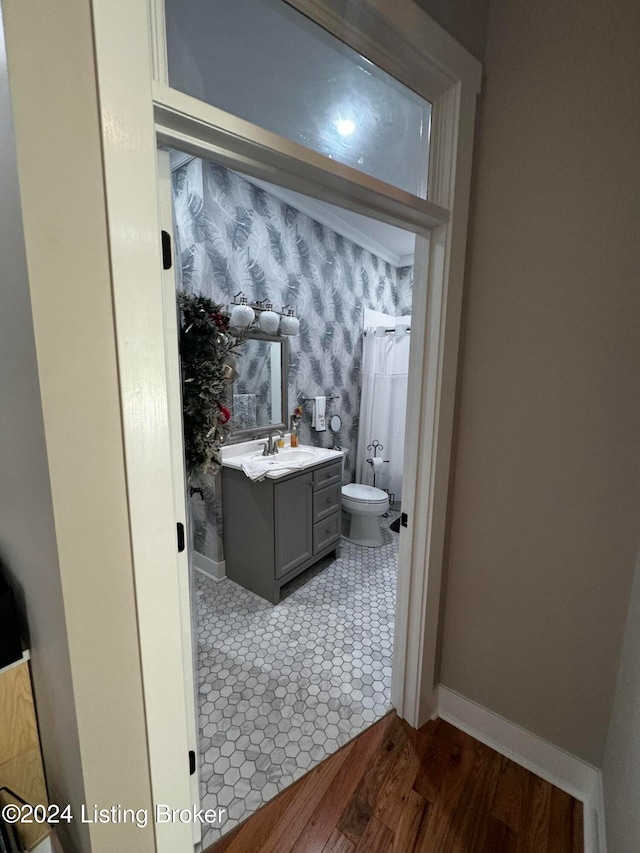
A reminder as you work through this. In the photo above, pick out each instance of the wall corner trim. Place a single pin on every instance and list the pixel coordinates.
(560, 768)
(210, 568)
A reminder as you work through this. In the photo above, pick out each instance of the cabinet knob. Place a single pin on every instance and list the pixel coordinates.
(328, 500)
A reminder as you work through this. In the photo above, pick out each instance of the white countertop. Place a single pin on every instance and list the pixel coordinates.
(233, 454)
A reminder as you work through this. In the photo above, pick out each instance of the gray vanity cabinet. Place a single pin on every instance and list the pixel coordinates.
(293, 500)
(275, 529)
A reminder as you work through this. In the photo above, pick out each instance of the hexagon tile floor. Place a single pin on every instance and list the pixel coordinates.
(282, 687)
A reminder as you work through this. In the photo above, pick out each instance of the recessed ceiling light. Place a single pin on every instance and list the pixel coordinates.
(345, 126)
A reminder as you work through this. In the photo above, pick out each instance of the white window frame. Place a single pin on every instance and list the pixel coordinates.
(137, 109)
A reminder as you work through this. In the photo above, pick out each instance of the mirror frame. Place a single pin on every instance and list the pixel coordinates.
(258, 431)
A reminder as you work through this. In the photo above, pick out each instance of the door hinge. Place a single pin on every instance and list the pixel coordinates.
(166, 250)
(192, 762)
(404, 519)
(180, 537)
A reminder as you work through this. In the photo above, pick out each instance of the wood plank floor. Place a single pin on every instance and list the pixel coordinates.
(397, 790)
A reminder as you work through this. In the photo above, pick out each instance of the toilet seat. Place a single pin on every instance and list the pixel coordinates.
(360, 494)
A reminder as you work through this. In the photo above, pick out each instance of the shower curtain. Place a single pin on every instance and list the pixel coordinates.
(383, 403)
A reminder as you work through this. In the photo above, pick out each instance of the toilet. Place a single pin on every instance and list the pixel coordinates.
(365, 504)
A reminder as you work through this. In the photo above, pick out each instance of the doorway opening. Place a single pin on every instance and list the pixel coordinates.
(280, 687)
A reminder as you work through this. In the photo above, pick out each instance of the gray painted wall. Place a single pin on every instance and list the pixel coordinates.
(465, 20)
(621, 770)
(546, 486)
(28, 548)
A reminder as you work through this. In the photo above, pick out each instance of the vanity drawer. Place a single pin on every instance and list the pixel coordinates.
(326, 501)
(326, 531)
(327, 475)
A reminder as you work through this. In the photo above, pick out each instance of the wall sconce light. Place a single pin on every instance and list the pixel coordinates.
(242, 314)
(268, 319)
(289, 324)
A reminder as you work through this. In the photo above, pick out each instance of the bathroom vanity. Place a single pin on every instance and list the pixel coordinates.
(276, 528)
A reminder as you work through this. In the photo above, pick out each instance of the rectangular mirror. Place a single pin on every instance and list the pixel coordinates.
(259, 399)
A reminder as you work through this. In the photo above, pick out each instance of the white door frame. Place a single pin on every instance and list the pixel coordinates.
(174, 397)
(407, 44)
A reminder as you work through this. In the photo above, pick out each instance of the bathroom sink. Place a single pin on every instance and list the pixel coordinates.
(297, 455)
(290, 456)
(248, 458)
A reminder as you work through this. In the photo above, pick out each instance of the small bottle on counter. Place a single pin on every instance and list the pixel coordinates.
(294, 435)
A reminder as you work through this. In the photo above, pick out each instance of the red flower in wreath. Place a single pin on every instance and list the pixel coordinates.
(225, 414)
(221, 320)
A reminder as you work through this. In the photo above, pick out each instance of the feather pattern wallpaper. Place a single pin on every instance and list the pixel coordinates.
(232, 235)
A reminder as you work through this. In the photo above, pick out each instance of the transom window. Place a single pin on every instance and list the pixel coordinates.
(267, 63)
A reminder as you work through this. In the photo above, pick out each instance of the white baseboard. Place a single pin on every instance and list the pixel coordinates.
(560, 768)
(209, 567)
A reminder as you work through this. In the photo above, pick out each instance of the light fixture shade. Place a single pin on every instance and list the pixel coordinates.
(241, 316)
(289, 325)
(269, 320)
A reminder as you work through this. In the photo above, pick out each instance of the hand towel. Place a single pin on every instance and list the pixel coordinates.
(254, 470)
(257, 469)
(318, 420)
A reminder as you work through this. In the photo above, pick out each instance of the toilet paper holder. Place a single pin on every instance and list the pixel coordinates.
(375, 446)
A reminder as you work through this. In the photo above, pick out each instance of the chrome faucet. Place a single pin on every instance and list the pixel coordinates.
(271, 444)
